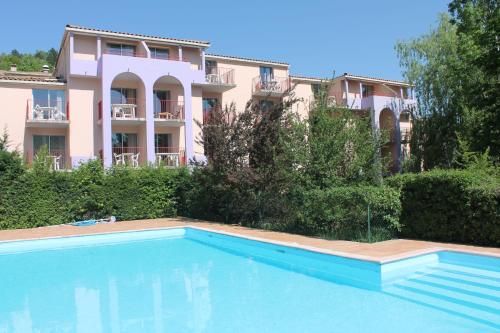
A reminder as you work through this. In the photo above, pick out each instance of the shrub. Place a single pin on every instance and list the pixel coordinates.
(39, 196)
(342, 212)
(450, 206)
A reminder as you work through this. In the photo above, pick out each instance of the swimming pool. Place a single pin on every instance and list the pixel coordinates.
(191, 280)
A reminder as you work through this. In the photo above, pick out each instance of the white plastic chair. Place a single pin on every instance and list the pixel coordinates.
(118, 159)
(135, 160)
(56, 162)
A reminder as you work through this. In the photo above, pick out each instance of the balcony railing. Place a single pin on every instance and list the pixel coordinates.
(126, 53)
(56, 159)
(43, 113)
(169, 156)
(270, 85)
(127, 156)
(169, 110)
(128, 108)
(167, 57)
(219, 75)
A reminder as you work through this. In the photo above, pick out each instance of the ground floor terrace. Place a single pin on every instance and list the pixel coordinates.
(385, 251)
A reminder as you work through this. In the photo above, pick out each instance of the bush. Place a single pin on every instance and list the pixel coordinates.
(342, 212)
(451, 206)
(39, 196)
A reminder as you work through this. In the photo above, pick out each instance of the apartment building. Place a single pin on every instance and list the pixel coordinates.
(137, 99)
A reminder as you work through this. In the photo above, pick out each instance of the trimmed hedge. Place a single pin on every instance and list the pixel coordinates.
(40, 197)
(342, 212)
(450, 206)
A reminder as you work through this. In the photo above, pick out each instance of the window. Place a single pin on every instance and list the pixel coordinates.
(406, 92)
(55, 144)
(210, 67)
(122, 49)
(163, 140)
(266, 74)
(124, 140)
(367, 90)
(50, 98)
(266, 105)
(158, 53)
(123, 96)
(316, 88)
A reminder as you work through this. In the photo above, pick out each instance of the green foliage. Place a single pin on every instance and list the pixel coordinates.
(267, 167)
(40, 196)
(342, 212)
(456, 72)
(450, 205)
(28, 62)
(343, 147)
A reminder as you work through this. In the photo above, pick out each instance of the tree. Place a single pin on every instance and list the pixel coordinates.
(343, 146)
(28, 62)
(455, 69)
(478, 31)
(432, 64)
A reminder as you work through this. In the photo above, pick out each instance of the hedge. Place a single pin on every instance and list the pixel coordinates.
(342, 212)
(458, 206)
(39, 197)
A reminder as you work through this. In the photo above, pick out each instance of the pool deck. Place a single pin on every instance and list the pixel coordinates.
(379, 252)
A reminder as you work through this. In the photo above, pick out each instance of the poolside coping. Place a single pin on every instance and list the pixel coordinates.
(381, 252)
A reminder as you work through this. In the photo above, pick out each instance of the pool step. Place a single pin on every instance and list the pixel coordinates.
(467, 292)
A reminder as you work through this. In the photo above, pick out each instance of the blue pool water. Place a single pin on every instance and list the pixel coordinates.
(188, 280)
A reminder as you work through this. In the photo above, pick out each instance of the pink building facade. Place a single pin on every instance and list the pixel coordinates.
(135, 99)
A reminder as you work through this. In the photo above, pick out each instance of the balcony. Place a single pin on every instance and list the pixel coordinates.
(56, 159)
(218, 79)
(270, 86)
(128, 156)
(169, 113)
(56, 116)
(169, 157)
(128, 112)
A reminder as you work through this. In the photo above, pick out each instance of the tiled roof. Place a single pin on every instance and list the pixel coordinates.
(360, 77)
(35, 77)
(248, 59)
(166, 39)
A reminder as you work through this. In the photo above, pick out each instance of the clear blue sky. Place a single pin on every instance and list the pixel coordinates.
(316, 37)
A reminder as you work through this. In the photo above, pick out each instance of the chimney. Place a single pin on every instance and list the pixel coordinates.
(13, 67)
(45, 68)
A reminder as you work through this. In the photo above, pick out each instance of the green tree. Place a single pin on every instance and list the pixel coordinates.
(478, 33)
(343, 147)
(432, 64)
(28, 62)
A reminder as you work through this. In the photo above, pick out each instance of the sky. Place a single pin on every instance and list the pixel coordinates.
(316, 37)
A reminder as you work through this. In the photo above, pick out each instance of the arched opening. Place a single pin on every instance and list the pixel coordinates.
(169, 113)
(405, 129)
(128, 119)
(387, 123)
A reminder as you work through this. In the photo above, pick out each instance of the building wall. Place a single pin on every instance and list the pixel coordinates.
(83, 96)
(13, 103)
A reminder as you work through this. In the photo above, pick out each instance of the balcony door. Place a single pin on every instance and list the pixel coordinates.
(208, 106)
(163, 143)
(266, 74)
(123, 96)
(162, 101)
(48, 99)
(125, 143)
(56, 144)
